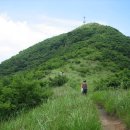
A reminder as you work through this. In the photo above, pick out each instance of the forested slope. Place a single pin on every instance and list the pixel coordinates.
(102, 43)
(98, 53)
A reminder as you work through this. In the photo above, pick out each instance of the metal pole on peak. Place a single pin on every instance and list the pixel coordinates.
(84, 20)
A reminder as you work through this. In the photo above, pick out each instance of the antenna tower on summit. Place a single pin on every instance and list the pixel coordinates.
(84, 20)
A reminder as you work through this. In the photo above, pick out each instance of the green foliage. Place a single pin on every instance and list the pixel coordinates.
(118, 80)
(20, 92)
(68, 111)
(53, 63)
(83, 70)
(58, 81)
(88, 50)
(74, 84)
(77, 62)
(94, 41)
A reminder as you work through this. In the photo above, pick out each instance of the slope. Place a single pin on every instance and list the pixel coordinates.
(96, 41)
(69, 110)
(93, 52)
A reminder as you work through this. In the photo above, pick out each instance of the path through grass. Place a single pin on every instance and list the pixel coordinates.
(116, 103)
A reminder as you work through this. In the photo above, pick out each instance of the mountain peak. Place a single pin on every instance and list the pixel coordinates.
(90, 25)
(98, 28)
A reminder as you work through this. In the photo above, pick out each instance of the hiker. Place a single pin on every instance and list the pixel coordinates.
(84, 87)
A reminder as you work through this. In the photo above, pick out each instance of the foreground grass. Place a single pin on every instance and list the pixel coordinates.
(115, 103)
(67, 110)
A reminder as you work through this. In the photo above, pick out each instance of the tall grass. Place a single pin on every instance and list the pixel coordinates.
(115, 103)
(68, 110)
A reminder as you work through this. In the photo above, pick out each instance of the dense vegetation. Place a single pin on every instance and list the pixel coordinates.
(117, 80)
(102, 43)
(18, 92)
(100, 54)
(69, 111)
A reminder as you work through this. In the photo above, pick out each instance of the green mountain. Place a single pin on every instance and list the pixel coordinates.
(100, 54)
(91, 41)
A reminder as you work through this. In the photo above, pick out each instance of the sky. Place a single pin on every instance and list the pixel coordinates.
(24, 23)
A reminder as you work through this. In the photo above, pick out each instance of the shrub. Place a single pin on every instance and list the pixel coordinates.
(21, 92)
(125, 83)
(58, 80)
(77, 61)
(118, 80)
(83, 70)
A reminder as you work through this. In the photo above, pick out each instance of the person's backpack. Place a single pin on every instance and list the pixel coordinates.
(84, 86)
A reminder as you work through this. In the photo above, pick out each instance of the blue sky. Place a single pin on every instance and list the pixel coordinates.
(25, 22)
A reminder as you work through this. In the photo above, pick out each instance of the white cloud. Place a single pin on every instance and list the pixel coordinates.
(18, 35)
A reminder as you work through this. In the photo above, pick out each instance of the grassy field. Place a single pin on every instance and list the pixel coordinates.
(66, 110)
(116, 103)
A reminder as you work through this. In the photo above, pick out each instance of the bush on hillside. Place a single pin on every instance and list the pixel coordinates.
(58, 81)
(74, 83)
(116, 81)
(20, 92)
(77, 61)
(83, 70)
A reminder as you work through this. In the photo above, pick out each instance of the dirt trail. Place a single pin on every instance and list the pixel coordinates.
(110, 123)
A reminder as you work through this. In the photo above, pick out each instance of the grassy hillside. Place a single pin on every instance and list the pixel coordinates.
(100, 54)
(98, 42)
(69, 110)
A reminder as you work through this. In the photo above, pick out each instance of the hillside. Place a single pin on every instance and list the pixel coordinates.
(40, 86)
(93, 41)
